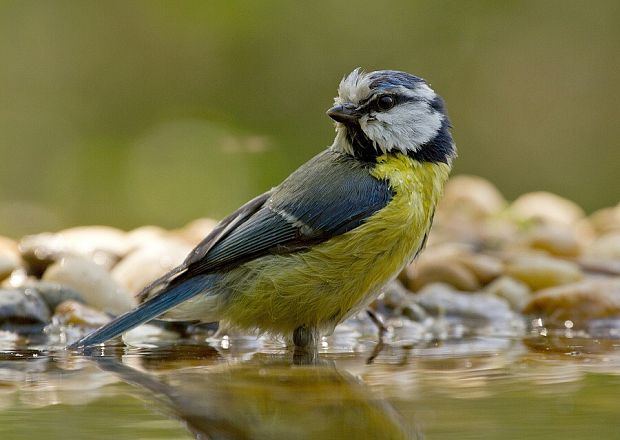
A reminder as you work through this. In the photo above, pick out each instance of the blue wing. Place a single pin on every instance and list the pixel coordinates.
(328, 196)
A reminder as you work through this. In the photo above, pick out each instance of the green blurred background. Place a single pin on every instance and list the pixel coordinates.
(159, 112)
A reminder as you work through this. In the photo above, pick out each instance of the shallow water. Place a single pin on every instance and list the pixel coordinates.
(537, 387)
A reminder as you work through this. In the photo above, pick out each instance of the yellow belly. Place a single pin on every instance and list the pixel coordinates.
(320, 287)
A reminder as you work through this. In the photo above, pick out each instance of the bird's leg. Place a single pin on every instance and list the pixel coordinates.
(382, 331)
(304, 337)
(305, 340)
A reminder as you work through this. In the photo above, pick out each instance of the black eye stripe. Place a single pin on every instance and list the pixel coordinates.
(369, 103)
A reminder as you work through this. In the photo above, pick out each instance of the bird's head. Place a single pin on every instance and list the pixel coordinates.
(388, 111)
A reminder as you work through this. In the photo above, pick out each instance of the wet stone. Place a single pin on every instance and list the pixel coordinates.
(53, 293)
(22, 310)
(472, 310)
(577, 302)
(77, 314)
(515, 292)
(93, 283)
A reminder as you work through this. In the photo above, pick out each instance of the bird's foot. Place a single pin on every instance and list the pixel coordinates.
(382, 331)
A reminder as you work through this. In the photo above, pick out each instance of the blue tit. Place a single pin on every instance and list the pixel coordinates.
(302, 257)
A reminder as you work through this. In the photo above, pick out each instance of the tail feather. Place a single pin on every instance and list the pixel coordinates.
(146, 311)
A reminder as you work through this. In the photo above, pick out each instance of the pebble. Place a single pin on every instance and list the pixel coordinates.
(143, 236)
(7, 266)
(9, 257)
(605, 246)
(485, 267)
(456, 265)
(471, 196)
(74, 313)
(473, 309)
(22, 310)
(93, 282)
(544, 207)
(606, 220)
(396, 300)
(102, 244)
(53, 293)
(449, 272)
(556, 240)
(539, 271)
(515, 292)
(142, 266)
(577, 302)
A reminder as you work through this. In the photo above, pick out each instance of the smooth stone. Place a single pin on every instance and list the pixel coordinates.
(473, 308)
(577, 302)
(447, 272)
(93, 282)
(145, 235)
(53, 293)
(195, 231)
(102, 244)
(515, 292)
(7, 266)
(606, 220)
(142, 266)
(545, 207)
(485, 267)
(540, 272)
(77, 314)
(9, 246)
(147, 336)
(605, 246)
(471, 196)
(603, 266)
(9, 257)
(397, 301)
(556, 240)
(446, 263)
(22, 310)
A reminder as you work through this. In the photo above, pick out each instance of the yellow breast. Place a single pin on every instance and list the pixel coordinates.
(322, 286)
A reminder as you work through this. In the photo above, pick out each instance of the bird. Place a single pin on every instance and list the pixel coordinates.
(302, 257)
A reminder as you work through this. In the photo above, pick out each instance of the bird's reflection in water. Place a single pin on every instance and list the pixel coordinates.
(268, 398)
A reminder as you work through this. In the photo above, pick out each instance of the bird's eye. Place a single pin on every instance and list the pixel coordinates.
(385, 102)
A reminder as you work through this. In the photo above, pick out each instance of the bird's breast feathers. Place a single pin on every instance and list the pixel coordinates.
(339, 276)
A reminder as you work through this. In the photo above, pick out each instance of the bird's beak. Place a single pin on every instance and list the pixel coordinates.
(344, 113)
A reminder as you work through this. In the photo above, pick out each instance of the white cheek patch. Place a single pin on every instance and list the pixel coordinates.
(404, 128)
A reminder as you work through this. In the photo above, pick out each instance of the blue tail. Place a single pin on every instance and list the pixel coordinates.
(146, 311)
